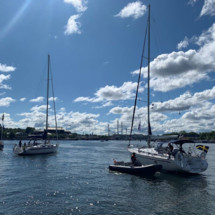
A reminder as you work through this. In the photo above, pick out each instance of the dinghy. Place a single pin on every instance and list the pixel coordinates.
(130, 168)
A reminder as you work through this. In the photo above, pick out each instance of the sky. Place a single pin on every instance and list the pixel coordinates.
(95, 48)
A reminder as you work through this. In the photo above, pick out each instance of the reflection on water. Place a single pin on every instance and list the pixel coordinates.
(76, 180)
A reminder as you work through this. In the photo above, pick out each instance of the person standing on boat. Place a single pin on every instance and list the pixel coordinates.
(20, 143)
(170, 149)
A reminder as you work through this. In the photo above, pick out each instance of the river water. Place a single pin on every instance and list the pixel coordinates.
(76, 180)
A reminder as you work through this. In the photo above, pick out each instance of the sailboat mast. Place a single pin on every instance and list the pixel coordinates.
(2, 126)
(47, 96)
(149, 127)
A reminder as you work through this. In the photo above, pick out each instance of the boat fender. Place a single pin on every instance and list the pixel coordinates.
(203, 154)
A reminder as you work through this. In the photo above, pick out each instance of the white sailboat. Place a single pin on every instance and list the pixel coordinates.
(44, 146)
(2, 127)
(173, 157)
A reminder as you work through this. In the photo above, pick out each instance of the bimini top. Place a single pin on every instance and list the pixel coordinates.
(181, 142)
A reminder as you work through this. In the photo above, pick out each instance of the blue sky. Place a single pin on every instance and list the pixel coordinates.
(95, 48)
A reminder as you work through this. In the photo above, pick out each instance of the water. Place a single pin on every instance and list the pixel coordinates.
(76, 180)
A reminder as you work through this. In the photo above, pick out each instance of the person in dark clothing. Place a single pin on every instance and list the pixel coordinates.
(170, 149)
(20, 143)
(134, 160)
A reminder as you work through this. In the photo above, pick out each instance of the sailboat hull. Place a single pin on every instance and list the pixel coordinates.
(181, 163)
(36, 150)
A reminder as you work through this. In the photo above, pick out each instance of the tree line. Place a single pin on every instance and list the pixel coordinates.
(19, 133)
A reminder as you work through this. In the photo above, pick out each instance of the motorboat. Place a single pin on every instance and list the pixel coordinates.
(130, 168)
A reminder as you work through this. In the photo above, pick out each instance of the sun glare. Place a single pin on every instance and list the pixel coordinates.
(14, 19)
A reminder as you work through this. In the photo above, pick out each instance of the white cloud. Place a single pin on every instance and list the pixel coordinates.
(79, 5)
(79, 122)
(134, 9)
(140, 116)
(183, 44)
(5, 102)
(107, 104)
(208, 8)
(73, 121)
(195, 114)
(22, 99)
(197, 119)
(104, 104)
(179, 69)
(4, 78)
(112, 93)
(73, 26)
(51, 99)
(38, 99)
(121, 110)
(185, 101)
(40, 108)
(5, 68)
(32, 119)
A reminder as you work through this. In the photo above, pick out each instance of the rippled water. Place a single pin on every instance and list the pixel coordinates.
(76, 180)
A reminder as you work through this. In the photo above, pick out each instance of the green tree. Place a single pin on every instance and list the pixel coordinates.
(29, 130)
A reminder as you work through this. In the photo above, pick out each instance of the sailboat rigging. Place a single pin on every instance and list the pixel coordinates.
(174, 157)
(35, 147)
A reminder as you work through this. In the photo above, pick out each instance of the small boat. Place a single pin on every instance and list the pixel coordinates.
(130, 168)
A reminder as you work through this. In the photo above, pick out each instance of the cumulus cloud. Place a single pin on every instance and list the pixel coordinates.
(2, 79)
(185, 101)
(121, 110)
(38, 99)
(112, 93)
(208, 8)
(73, 26)
(196, 114)
(134, 9)
(22, 99)
(74, 121)
(183, 68)
(183, 44)
(79, 122)
(79, 5)
(34, 119)
(5, 102)
(140, 118)
(39, 108)
(5, 68)
(197, 119)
